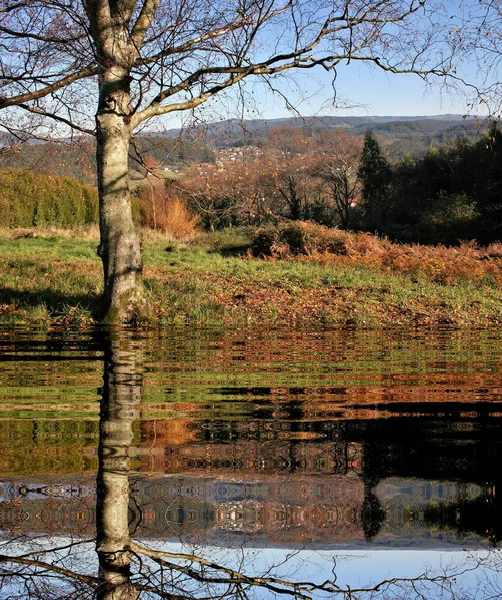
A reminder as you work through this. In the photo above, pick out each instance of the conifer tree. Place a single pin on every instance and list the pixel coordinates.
(375, 174)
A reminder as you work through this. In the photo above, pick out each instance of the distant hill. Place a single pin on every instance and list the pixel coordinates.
(422, 131)
(177, 148)
(78, 159)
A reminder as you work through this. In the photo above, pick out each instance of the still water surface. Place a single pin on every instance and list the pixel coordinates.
(346, 446)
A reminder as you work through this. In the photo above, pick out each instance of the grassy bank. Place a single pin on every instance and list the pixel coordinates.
(54, 278)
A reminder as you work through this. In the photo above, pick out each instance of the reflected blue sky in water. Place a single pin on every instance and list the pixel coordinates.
(252, 442)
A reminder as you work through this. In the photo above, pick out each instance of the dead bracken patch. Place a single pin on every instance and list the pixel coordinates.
(440, 264)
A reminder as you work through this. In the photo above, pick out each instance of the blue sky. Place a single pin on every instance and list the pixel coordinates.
(361, 90)
(364, 89)
(367, 91)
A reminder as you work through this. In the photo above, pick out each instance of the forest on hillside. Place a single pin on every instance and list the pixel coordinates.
(177, 149)
(451, 193)
(444, 195)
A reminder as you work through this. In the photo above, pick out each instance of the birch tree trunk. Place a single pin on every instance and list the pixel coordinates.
(117, 49)
(119, 248)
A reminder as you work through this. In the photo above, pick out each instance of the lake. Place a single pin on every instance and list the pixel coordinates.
(224, 462)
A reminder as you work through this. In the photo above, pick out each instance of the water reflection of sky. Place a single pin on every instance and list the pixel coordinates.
(354, 568)
(472, 574)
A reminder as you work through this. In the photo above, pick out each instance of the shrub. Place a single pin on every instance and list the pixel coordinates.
(29, 199)
(297, 238)
(161, 208)
(178, 222)
(452, 218)
(263, 241)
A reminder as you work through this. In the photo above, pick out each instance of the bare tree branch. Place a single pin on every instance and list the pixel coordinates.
(47, 90)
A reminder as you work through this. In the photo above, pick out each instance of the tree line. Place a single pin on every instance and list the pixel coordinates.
(449, 194)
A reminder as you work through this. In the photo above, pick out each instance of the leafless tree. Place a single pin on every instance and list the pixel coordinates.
(291, 151)
(340, 162)
(51, 573)
(106, 67)
(475, 32)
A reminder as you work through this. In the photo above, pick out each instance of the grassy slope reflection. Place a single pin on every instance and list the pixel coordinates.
(303, 426)
(48, 406)
(128, 568)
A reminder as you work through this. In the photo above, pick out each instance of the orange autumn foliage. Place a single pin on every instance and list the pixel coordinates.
(445, 265)
(162, 209)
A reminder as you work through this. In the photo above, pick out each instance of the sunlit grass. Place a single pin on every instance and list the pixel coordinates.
(56, 279)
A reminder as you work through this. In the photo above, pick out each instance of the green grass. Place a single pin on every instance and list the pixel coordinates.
(57, 281)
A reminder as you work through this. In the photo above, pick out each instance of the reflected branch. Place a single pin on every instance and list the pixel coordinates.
(129, 569)
(50, 567)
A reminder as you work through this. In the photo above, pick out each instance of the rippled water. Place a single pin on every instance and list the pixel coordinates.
(346, 440)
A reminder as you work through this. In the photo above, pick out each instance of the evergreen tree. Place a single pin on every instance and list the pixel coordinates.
(490, 196)
(452, 193)
(375, 174)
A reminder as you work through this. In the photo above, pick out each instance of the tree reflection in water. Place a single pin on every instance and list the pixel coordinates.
(120, 402)
(48, 568)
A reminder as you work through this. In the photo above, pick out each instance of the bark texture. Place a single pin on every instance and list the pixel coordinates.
(120, 250)
(119, 247)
